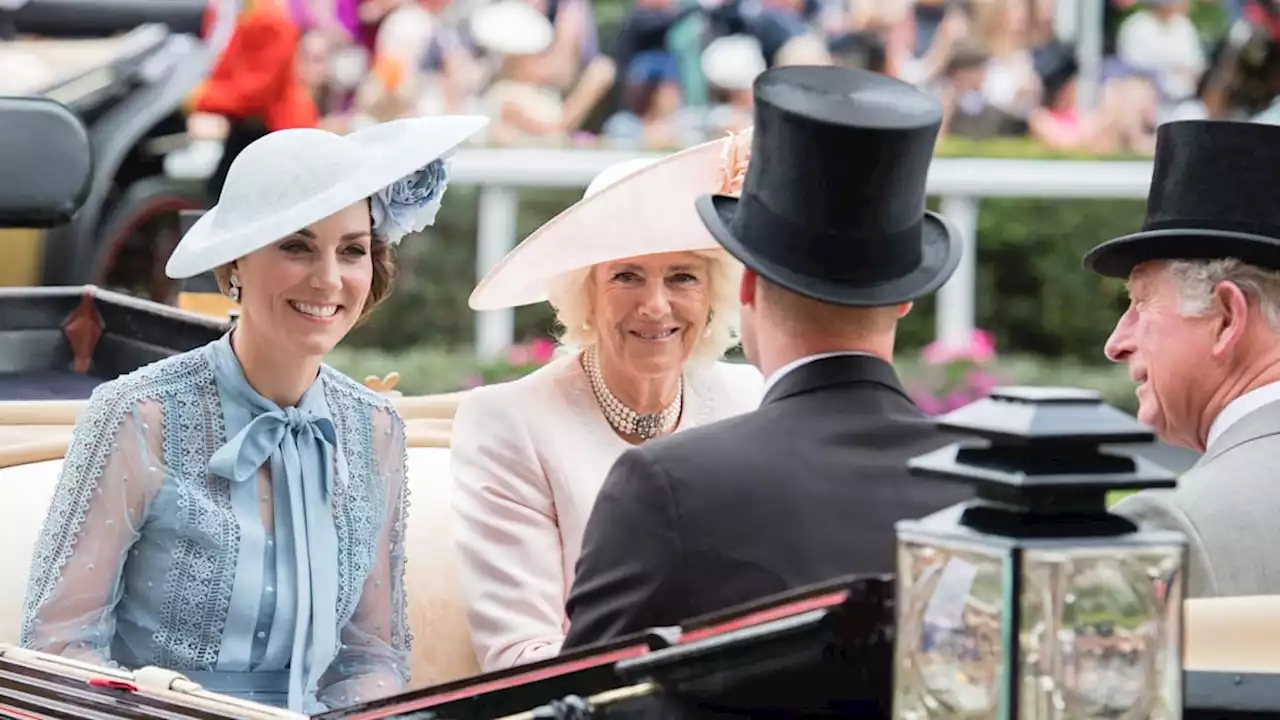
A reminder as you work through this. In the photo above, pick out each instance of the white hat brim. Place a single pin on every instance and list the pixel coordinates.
(648, 212)
(395, 150)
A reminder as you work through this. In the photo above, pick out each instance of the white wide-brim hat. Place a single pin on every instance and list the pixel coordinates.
(289, 179)
(511, 27)
(732, 62)
(639, 207)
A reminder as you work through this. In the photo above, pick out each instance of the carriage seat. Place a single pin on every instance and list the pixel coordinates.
(442, 648)
(1223, 634)
(27, 489)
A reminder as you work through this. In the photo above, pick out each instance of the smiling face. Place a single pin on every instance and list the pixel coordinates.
(1169, 355)
(305, 292)
(649, 311)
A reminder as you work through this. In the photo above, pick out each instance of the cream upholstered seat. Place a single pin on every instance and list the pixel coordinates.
(1229, 634)
(25, 492)
(442, 649)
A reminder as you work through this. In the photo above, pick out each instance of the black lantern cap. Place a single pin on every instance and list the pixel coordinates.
(1038, 464)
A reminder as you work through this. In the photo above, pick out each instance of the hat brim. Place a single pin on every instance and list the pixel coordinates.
(941, 250)
(396, 149)
(647, 212)
(1118, 257)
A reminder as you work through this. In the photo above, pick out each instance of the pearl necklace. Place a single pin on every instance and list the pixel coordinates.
(626, 421)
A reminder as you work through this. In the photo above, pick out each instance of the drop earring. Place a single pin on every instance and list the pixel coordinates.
(234, 291)
(706, 331)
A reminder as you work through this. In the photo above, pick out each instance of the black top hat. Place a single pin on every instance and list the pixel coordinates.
(1213, 195)
(833, 205)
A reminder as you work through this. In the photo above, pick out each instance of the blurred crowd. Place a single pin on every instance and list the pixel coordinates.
(674, 72)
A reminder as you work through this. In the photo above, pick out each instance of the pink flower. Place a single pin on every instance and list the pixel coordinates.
(980, 349)
(518, 355)
(982, 382)
(929, 404)
(542, 350)
(956, 400)
(940, 353)
(473, 381)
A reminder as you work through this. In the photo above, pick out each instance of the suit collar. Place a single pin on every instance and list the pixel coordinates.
(1242, 407)
(789, 367)
(835, 370)
(1260, 423)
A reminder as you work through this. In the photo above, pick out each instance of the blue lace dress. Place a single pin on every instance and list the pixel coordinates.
(201, 528)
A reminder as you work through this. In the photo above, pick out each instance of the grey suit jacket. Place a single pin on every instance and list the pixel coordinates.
(1228, 506)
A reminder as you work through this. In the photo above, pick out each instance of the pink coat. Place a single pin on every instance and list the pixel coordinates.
(528, 459)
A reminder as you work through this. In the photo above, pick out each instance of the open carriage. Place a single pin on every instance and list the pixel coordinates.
(817, 652)
(124, 67)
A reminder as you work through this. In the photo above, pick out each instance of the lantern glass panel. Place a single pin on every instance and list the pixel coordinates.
(949, 655)
(1098, 624)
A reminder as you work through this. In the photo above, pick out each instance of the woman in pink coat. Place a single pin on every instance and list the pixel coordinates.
(648, 303)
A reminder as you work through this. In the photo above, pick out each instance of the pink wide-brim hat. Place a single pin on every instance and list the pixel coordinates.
(635, 208)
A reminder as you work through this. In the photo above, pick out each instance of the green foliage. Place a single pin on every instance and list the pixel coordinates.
(1023, 148)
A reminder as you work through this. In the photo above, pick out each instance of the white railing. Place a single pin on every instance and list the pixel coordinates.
(960, 182)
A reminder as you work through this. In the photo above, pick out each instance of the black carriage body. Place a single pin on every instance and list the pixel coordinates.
(134, 104)
(59, 343)
(821, 651)
(102, 18)
(132, 108)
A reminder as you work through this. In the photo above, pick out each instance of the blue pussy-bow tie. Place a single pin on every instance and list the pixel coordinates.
(301, 446)
(292, 431)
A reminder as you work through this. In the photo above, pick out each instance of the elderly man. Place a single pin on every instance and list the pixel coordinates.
(1202, 338)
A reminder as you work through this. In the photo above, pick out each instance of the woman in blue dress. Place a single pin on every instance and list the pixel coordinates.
(236, 513)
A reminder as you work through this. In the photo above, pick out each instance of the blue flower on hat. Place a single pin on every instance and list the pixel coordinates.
(410, 204)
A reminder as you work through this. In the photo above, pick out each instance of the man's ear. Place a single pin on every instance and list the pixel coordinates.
(903, 309)
(1233, 317)
(747, 288)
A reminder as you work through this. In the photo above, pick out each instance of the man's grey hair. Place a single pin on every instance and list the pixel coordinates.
(1196, 280)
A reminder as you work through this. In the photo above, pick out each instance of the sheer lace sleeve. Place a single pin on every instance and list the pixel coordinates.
(111, 474)
(373, 660)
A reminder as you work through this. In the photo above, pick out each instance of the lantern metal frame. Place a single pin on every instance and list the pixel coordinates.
(1041, 463)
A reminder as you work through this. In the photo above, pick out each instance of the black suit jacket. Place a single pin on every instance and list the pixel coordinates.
(804, 489)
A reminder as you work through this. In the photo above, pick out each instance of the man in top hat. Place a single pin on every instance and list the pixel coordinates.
(1201, 336)
(832, 228)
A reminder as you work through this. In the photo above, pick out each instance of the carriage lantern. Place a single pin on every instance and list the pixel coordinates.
(1032, 601)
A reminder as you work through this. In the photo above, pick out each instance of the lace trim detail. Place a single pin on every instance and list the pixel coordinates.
(201, 579)
(359, 501)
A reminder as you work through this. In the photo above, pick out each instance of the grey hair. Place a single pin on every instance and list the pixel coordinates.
(570, 297)
(1196, 280)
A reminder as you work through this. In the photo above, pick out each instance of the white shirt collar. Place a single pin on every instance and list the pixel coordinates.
(780, 372)
(1241, 406)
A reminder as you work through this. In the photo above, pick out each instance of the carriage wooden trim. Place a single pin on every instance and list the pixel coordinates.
(36, 430)
(65, 412)
(155, 682)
